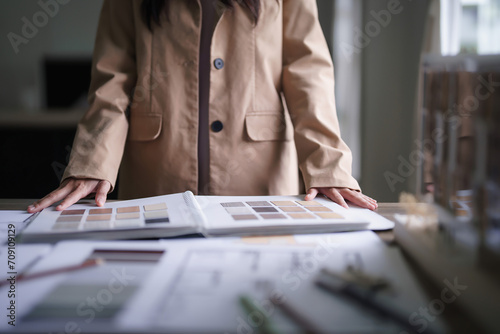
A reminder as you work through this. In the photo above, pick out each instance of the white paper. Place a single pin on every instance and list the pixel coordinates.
(195, 285)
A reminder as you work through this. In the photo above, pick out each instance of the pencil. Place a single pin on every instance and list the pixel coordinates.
(85, 264)
(295, 315)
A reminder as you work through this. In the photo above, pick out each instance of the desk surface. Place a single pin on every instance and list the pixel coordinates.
(453, 316)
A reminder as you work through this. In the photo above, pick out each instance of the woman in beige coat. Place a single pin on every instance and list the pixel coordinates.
(227, 97)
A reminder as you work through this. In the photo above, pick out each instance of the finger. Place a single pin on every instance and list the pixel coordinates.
(368, 197)
(311, 194)
(102, 192)
(371, 200)
(50, 199)
(358, 199)
(355, 197)
(80, 192)
(335, 196)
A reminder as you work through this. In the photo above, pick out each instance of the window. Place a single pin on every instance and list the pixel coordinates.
(470, 26)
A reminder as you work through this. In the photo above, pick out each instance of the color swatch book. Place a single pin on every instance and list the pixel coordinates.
(183, 214)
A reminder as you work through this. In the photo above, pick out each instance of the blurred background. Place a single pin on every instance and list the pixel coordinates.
(377, 47)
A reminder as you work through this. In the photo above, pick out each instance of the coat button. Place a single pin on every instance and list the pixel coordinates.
(218, 63)
(217, 126)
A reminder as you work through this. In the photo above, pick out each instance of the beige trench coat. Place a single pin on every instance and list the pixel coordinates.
(274, 96)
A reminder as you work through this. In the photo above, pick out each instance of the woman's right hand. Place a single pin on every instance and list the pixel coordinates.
(71, 191)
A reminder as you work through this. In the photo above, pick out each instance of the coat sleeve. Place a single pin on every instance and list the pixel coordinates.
(308, 88)
(101, 133)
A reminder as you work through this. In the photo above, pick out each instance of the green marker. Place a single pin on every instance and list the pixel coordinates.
(249, 306)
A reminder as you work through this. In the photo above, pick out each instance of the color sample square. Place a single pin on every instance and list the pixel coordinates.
(128, 223)
(302, 216)
(65, 227)
(329, 215)
(284, 203)
(308, 203)
(238, 211)
(132, 215)
(154, 207)
(69, 219)
(318, 209)
(157, 220)
(73, 212)
(259, 203)
(292, 209)
(245, 217)
(273, 216)
(127, 255)
(232, 204)
(100, 211)
(156, 214)
(268, 209)
(128, 209)
(98, 218)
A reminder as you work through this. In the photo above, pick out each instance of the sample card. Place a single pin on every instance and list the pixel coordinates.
(255, 210)
(106, 218)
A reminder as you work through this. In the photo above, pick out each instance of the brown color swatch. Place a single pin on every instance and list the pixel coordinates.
(308, 203)
(329, 215)
(99, 218)
(69, 219)
(73, 212)
(301, 216)
(292, 209)
(153, 207)
(318, 209)
(100, 211)
(128, 209)
(284, 203)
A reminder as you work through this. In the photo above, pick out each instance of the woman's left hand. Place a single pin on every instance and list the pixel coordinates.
(339, 195)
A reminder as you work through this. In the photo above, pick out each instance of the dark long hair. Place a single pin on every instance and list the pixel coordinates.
(151, 9)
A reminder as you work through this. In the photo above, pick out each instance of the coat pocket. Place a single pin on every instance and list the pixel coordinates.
(268, 127)
(144, 127)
